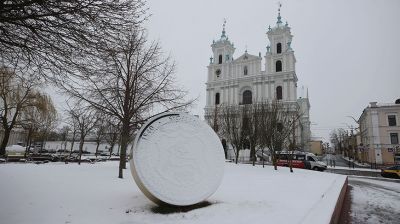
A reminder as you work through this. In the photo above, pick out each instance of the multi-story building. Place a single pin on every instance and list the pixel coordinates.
(316, 147)
(379, 132)
(239, 81)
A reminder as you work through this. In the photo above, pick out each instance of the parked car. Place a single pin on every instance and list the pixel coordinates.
(392, 171)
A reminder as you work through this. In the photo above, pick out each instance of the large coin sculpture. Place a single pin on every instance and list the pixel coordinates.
(177, 160)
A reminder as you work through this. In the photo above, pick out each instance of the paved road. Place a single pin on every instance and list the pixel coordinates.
(372, 200)
(354, 172)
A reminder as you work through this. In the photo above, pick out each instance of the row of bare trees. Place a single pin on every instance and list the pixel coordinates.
(98, 53)
(129, 81)
(82, 120)
(337, 138)
(264, 125)
(22, 105)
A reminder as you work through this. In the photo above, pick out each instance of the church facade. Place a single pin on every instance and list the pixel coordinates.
(242, 81)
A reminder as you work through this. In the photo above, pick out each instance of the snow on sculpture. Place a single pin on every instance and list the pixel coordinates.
(177, 160)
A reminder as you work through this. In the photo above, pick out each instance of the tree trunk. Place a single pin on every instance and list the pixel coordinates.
(274, 162)
(28, 142)
(237, 155)
(81, 148)
(72, 143)
(4, 142)
(112, 143)
(119, 146)
(124, 144)
(262, 153)
(97, 148)
(111, 149)
(253, 153)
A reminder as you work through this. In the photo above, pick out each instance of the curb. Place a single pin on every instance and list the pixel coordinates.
(339, 204)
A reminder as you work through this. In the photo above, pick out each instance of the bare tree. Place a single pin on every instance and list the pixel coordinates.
(49, 37)
(277, 122)
(48, 119)
(73, 124)
(251, 128)
(214, 120)
(291, 124)
(85, 119)
(65, 130)
(130, 81)
(39, 120)
(232, 128)
(100, 128)
(17, 93)
(337, 137)
(113, 130)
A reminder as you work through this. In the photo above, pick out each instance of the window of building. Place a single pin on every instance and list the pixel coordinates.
(216, 98)
(279, 48)
(392, 120)
(279, 92)
(394, 138)
(218, 73)
(245, 70)
(278, 66)
(247, 97)
(220, 59)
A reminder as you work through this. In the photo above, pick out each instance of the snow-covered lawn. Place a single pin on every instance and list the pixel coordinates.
(91, 193)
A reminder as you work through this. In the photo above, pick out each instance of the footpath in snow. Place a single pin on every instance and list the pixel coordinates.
(92, 193)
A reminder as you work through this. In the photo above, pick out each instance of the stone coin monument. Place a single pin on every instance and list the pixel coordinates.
(177, 160)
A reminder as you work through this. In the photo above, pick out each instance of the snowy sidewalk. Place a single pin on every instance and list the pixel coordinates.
(91, 193)
(355, 162)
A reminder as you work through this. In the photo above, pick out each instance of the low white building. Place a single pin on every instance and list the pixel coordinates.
(240, 81)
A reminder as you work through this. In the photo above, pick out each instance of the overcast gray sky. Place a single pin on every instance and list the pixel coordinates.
(347, 51)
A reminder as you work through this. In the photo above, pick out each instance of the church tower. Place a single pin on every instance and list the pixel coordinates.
(280, 60)
(220, 62)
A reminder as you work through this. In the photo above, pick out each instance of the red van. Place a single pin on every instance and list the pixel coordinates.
(297, 160)
(301, 160)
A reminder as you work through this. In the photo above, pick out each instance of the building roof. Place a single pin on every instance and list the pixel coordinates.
(247, 57)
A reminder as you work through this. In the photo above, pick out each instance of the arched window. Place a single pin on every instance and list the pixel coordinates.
(220, 59)
(278, 66)
(247, 97)
(216, 98)
(278, 48)
(245, 70)
(279, 92)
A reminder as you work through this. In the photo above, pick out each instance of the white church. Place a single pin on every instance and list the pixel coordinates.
(241, 81)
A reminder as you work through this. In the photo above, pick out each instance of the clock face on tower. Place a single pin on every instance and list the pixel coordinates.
(218, 73)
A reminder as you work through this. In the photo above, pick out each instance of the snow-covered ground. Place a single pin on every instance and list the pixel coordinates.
(374, 201)
(92, 193)
(355, 162)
